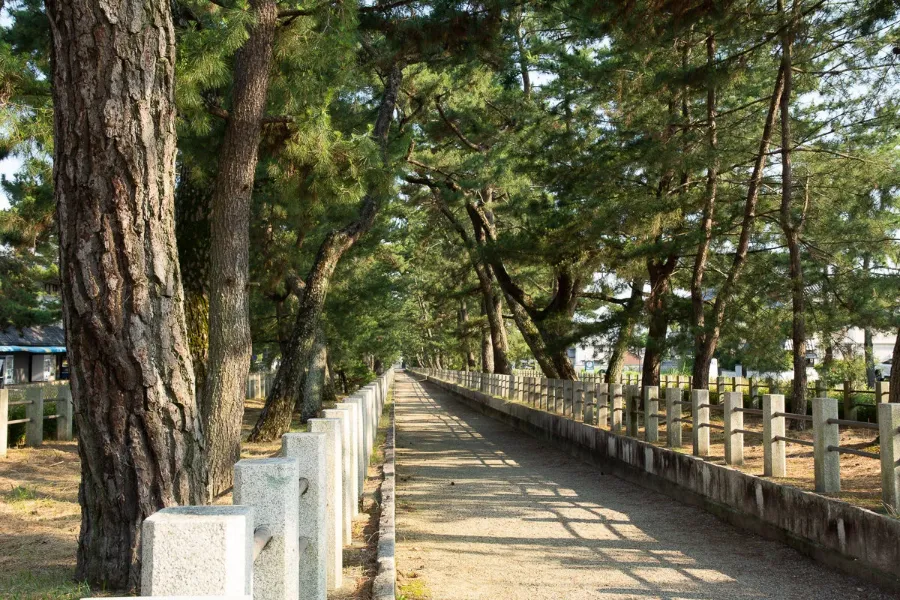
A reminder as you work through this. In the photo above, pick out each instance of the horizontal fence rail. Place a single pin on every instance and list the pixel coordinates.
(33, 397)
(623, 407)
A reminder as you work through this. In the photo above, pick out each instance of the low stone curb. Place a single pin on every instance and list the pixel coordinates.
(385, 585)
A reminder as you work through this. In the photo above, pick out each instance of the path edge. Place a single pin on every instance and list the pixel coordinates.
(832, 532)
(385, 585)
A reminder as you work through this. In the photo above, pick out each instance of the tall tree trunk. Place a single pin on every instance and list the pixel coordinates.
(630, 314)
(707, 332)
(229, 308)
(466, 336)
(275, 418)
(894, 381)
(869, 353)
(487, 346)
(192, 233)
(657, 307)
(792, 226)
(139, 432)
(868, 344)
(309, 402)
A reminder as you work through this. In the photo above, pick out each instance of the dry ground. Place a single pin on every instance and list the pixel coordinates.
(40, 518)
(487, 512)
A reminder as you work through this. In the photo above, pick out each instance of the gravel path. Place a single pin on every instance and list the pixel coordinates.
(487, 512)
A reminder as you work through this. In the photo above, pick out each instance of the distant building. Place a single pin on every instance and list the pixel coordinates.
(589, 355)
(33, 354)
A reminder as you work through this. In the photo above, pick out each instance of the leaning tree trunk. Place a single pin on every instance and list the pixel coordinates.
(229, 308)
(630, 314)
(309, 402)
(275, 418)
(658, 317)
(139, 437)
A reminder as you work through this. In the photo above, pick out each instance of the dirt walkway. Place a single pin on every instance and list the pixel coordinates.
(486, 512)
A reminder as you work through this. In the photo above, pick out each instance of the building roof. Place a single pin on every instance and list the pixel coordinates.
(48, 335)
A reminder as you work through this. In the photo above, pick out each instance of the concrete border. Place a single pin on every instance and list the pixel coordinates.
(843, 536)
(385, 585)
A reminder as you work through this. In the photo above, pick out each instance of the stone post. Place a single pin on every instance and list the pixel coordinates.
(309, 450)
(64, 414)
(774, 461)
(359, 440)
(197, 551)
(734, 420)
(849, 408)
(334, 499)
(590, 398)
(349, 470)
(578, 401)
(888, 425)
(754, 392)
(673, 417)
(651, 413)
(551, 395)
(631, 410)
(602, 392)
(881, 392)
(616, 394)
(4, 418)
(34, 411)
(827, 465)
(700, 420)
(269, 486)
(543, 398)
(562, 386)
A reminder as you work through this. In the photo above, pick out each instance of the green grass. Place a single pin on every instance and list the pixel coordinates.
(46, 584)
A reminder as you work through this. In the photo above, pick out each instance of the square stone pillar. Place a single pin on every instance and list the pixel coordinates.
(34, 411)
(827, 466)
(334, 498)
(348, 473)
(362, 457)
(358, 453)
(269, 486)
(673, 417)
(734, 420)
(616, 415)
(700, 421)
(590, 401)
(578, 401)
(64, 414)
(602, 393)
(632, 397)
(198, 551)
(651, 413)
(888, 425)
(774, 459)
(309, 450)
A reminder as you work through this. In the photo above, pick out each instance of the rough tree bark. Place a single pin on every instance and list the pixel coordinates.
(229, 310)
(466, 336)
(657, 306)
(192, 233)
(275, 418)
(487, 345)
(708, 331)
(139, 433)
(309, 402)
(630, 314)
